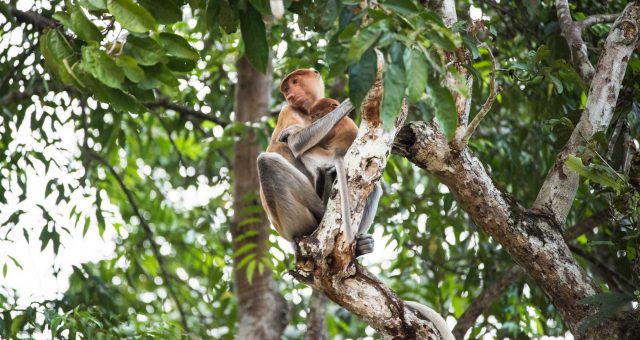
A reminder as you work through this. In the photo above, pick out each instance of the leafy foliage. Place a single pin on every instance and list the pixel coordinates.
(129, 109)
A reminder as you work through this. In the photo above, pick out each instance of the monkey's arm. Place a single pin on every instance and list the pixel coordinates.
(306, 138)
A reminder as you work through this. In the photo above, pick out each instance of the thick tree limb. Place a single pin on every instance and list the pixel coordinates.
(155, 248)
(533, 239)
(572, 32)
(559, 189)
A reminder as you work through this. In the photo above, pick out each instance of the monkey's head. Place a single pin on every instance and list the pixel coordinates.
(302, 87)
(322, 106)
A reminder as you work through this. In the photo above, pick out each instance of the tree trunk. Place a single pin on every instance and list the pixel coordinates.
(263, 312)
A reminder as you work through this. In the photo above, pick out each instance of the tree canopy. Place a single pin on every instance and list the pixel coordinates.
(511, 200)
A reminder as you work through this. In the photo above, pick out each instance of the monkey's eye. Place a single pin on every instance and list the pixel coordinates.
(294, 81)
(316, 72)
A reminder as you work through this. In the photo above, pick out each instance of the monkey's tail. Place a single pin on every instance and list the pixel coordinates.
(434, 317)
(277, 8)
(344, 196)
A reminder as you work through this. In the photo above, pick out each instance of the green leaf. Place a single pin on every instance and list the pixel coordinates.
(177, 46)
(251, 268)
(131, 69)
(94, 5)
(245, 248)
(557, 83)
(85, 228)
(227, 17)
(131, 16)
(145, 50)
(164, 11)
(441, 40)
(362, 75)
(100, 65)
(416, 62)
(362, 42)
(608, 305)
(393, 86)
(446, 114)
(255, 39)
(4, 270)
(82, 26)
(56, 49)
(596, 174)
(406, 7)
(15, 262)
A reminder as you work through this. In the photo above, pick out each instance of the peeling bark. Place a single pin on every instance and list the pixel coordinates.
(263, 312)
(559, 189)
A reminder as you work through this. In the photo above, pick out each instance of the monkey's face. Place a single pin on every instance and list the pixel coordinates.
(302, 87)
(322, 107)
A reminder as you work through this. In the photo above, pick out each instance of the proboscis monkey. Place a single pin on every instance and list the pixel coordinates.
(329, 153)
(288, 190)
(289, 193)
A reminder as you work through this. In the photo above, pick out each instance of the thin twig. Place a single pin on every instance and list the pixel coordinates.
(184, 110)
(171, 140)
(155, 248)
(493, 92)
(21, 58)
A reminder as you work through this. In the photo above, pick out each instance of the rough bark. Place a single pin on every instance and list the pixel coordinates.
(559, 189)
(263, 312)
(446, 9)
(325, 259)
(572, 32)
(534, 240)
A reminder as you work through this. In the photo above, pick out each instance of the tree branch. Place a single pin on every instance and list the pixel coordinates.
(485, 299)
(596, 19)
(155, 248)
(21, 58)
(493, 92)
(186, 111)
(559, 188)
(615, 280)
(573, 34)
(30, 17)
(325, 259)
(168, 131)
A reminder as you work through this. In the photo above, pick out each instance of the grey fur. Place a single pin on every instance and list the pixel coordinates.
(291, 199)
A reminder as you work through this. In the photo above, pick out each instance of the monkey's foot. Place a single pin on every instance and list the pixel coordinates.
(364, 244)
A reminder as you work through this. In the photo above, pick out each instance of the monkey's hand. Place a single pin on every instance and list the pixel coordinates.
(364, 244)
(284, 134)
